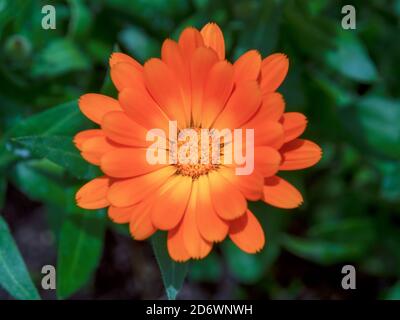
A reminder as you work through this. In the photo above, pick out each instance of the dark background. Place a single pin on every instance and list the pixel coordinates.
(345, 81)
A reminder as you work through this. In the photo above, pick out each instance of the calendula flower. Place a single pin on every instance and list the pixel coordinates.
(199, 204)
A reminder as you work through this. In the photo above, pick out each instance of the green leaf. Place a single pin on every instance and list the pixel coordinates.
(379, 118)
(173, 273)
(374, 125)
(81, 20)
(321, 251)
(14, 277)
(61, 56)
(65, 119)
(252, 32)
(37, 179)
(58, 149)
(351, 58)
(79, 252)
(139, 44)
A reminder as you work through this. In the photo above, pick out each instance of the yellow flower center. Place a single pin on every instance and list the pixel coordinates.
(199, 154)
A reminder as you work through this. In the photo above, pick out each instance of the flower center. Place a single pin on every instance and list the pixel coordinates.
(198, 152)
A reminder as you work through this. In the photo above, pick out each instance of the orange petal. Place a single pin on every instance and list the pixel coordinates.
(120, 215)
(127, 162)
(228, 201)
(172, 55)
(85, 135)
(294, 124)
(270, 134)
(140, 106)
(214, 39)
(247, 233)
(281, 194)
(165, 89)
(250, 185)
(176, 246)
(271, 109)
(122, 129)
(118, 57)
(93, 149)
(273, 71)
(172, 200)
(247, 67)
(189, 40)
(94, 106)
(267, 160)
(126, 75)
(200, 64)
(140, 225)
(211, 226)
(130, 191)
(217, 90)
(195, 245)
(93, 194)
(299, 154)
(241, 106)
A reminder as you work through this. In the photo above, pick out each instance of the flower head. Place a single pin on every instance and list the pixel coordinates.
(198, 203)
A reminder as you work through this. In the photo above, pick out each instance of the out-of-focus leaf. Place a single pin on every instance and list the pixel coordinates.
(79, 251)
(55, 216)
(249, 268)
(374, 125)
(317, 6)
(139, 44)
(339, 95)
(14, 277)
(60, 150)
(81, 19)
(252, 33)
(393, 293)
(65, 119)
(314, 40)
(383, 259)
(3, 186)
(150, 8)
(155, 15)
(173, 273)
(390, 185)
(58, 58)
(8, 10)
(39, 183)
(321, 251)
(208, 269)
(351, 58)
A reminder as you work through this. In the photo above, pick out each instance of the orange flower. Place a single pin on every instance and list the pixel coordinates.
(194, 85)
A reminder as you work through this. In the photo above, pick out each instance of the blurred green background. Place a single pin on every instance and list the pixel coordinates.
(345, 81)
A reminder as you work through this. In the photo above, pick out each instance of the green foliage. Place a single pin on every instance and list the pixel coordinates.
(79, 250)
(173, 273)
(350, 58)
(345, 81)
(14, 277)
(58, 149)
